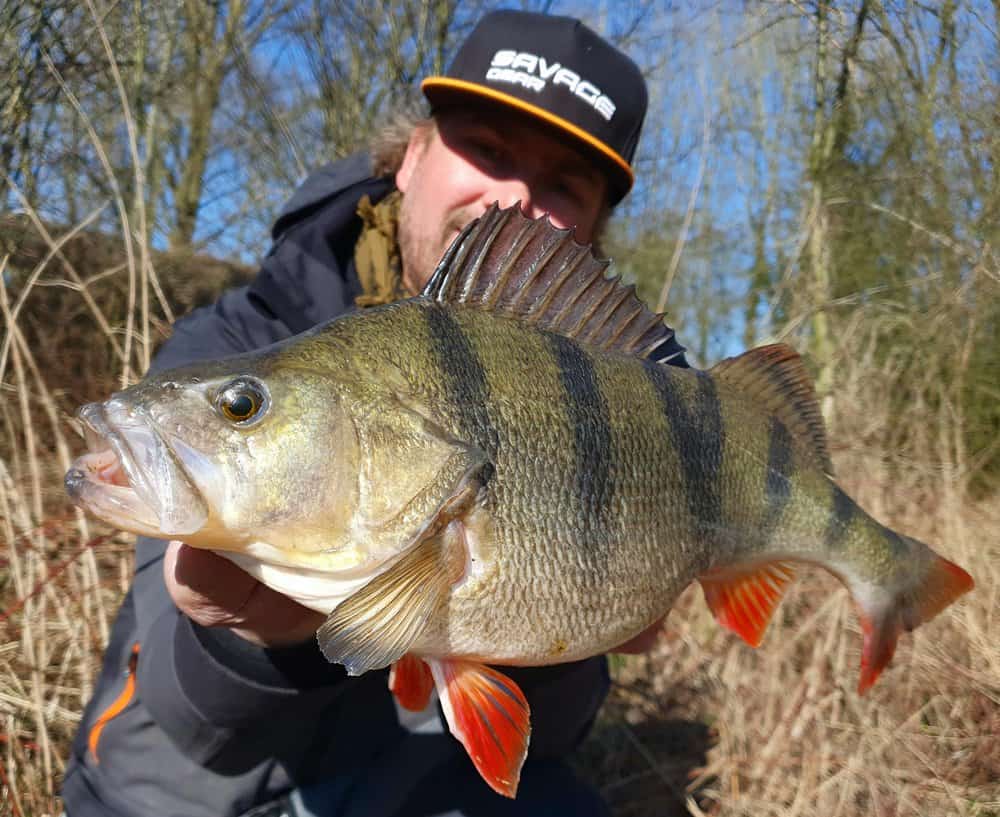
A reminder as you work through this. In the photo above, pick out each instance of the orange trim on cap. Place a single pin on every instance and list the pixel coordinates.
(117, 705)
(541, 113)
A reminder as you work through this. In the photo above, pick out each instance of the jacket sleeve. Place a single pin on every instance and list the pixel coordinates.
(228, 704)
(564, 701)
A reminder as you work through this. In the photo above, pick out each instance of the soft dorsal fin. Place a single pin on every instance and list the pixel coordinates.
(775, 378)
(531, 270)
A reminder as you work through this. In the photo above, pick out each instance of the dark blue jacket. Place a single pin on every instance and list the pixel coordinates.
(193, 721)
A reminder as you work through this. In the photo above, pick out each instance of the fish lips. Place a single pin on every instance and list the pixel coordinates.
(156, 496)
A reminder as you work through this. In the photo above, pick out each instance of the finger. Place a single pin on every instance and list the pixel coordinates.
(205, 586)
(215, 592)
(272, 619)
(212, 576)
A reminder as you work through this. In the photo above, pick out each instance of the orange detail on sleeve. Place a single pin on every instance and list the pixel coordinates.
(117, 705)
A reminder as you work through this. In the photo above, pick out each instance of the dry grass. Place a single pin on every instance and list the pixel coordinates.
(61, 581)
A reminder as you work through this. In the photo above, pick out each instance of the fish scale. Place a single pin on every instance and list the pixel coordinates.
(584, 546)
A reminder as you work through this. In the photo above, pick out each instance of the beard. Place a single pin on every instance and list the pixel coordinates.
(415, 251)
(419, 251)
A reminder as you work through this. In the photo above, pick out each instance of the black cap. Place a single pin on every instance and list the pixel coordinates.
(557, 69)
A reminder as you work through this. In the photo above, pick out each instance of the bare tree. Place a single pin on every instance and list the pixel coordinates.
(361, 58)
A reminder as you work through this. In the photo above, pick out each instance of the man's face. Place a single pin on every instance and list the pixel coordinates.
(478, 156)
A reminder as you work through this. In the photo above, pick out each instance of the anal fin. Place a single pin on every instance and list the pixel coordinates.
(489, 715)
(744, 597)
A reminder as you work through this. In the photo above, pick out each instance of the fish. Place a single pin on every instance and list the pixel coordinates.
(501, 472)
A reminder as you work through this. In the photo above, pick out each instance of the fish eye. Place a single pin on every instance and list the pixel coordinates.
(243, 401)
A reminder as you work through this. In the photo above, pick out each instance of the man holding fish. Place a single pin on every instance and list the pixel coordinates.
(215, 698)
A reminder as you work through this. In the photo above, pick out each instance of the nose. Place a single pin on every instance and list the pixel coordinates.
(508, 192)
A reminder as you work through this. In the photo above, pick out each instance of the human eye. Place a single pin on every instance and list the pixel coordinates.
(486, 150)
(489, 152)
(571, 190)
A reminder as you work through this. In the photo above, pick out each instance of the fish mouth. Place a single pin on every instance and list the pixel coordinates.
(130, 477)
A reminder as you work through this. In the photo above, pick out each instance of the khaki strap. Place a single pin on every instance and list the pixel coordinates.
(376, 254)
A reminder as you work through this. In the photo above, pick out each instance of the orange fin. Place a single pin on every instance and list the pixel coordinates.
(489, 715)
(410, 680)
(743, 598)
(943, 582)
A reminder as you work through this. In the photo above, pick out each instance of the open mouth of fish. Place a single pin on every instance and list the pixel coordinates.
(130, 477)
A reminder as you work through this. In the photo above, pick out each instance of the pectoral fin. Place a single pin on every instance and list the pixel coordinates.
(489, 715)
(379, 623)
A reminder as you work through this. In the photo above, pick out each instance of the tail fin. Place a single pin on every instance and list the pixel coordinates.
(941, 583)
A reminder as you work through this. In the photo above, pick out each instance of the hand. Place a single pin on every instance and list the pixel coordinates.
(215, 592)
(643, 642)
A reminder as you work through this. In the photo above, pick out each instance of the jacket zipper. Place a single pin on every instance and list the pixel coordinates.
(117, 705)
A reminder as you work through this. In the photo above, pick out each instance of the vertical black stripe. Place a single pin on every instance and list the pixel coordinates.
(780, 467)
(465, 376)
(588, 414)
(841, 516)
(698, 435)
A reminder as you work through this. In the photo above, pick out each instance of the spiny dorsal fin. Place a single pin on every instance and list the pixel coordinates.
(775, 378)
(531, 270)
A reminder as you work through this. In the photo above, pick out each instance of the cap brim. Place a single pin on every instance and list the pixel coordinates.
(439, 89)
